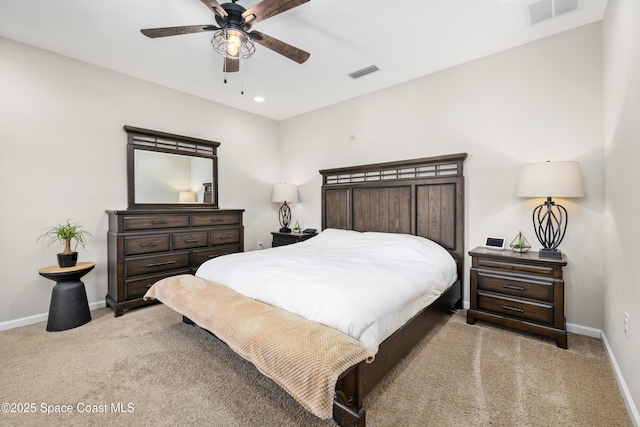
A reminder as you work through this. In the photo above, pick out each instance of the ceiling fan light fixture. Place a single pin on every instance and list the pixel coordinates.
(233, 43)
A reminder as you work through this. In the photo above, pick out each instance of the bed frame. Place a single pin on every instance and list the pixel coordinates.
(423, 197)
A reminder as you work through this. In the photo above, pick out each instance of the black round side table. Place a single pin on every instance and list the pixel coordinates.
(69, 306)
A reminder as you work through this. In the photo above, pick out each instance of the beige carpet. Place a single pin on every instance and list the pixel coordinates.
(159, 371)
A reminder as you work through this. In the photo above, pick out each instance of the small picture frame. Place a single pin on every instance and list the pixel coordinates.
(496, 243)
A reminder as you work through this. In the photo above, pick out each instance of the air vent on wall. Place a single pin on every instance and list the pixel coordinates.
(546, 9)
(370, 69)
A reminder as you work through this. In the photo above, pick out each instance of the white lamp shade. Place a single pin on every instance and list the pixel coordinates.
(550, 179)
(285, 193)
(187, 197)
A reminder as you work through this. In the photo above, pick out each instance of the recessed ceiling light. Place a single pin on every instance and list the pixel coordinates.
(258, 99)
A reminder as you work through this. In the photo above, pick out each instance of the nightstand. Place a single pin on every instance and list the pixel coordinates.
(519, 291)
(282, 239)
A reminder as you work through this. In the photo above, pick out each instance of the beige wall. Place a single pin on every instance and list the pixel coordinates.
(621, 35)
(541, 101)
(63, 155)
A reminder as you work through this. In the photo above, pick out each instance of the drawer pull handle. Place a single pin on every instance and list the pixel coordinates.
(225, 237)
(506, 307)
(157, 264)
(191, 240)
(164, 221)
(148, 286)
(144, 245)
(217, 219)
(515, 288)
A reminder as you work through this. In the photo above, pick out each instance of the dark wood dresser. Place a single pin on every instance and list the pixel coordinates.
(145, 246)
(283, 239)
(520, 291)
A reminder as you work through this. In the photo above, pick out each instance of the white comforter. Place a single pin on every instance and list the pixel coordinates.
(366, 285)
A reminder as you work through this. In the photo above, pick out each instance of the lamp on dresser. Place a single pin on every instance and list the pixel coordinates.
(283, 193)
(186, 197)
(550, 179)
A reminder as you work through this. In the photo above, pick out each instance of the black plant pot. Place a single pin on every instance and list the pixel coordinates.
(68, 260)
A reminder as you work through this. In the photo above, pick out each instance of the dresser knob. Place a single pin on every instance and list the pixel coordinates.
(515, 288)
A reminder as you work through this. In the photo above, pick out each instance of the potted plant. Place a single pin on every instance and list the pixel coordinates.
(520, 244)
(65, 233)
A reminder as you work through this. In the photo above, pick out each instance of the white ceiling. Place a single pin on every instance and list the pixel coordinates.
(405, 40)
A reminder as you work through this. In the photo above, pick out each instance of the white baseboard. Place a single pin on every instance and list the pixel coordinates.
(626, 395)
(37, 318)
(584, 330)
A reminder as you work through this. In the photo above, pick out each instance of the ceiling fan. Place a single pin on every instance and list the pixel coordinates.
(233, 38)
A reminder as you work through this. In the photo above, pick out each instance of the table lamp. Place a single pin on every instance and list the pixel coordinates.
(186, 197)
(550, 179)
(283, 193)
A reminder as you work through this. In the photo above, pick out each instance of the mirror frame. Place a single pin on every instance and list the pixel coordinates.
(162, 142)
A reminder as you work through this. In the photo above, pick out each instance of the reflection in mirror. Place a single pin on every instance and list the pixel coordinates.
(161, 177)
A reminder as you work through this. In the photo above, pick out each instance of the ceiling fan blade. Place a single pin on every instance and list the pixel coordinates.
(231, 65)
(268, 8)
(215, 7)
(176, 31)
(280, 47)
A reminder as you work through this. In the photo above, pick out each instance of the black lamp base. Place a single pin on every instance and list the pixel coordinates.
(550, 253)
(285, 230)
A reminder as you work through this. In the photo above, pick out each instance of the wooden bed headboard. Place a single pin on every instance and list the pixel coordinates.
(423, 197)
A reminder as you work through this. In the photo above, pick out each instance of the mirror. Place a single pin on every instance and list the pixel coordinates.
(166, 170)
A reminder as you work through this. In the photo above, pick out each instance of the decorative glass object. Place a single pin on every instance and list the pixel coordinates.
(520, 244)
(297, 228)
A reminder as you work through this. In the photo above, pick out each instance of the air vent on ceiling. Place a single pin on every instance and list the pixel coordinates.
(370, 69)
(546, 9)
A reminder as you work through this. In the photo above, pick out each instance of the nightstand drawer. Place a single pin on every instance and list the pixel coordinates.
(516, 267)
(527, 310)
(190, 240)
(146, 244)
(283, 239)
(524, 287)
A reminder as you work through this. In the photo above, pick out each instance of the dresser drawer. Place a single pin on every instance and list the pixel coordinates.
(524, 287)
(541, 270)
(156, 264)
(225, 236)
(527, 310)
(190, 240)
(202, 255)
(146, 244)
(136, 288)
(155, 222)
(215, 219)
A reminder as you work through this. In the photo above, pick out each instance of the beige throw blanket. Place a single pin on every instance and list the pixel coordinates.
(305, 358)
